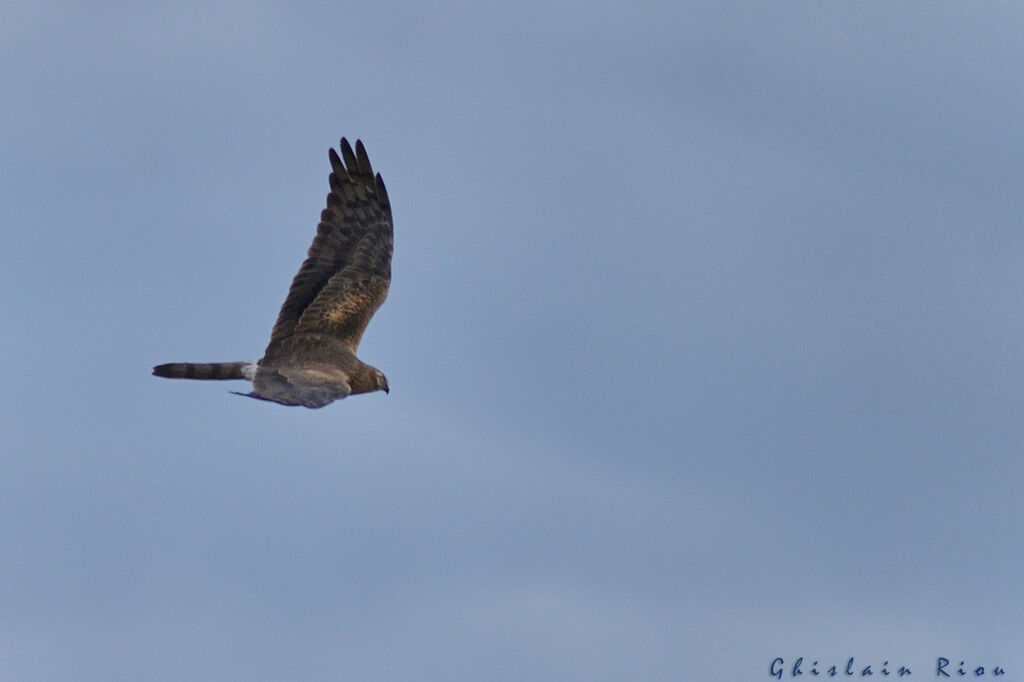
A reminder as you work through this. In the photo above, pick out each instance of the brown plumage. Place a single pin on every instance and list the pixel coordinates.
(311, 359)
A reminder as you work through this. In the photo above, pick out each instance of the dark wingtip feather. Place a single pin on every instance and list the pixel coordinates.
(382, 192)
(350, 158)
(363, 159)
(335, 161)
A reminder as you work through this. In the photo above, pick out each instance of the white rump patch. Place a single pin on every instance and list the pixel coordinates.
(249, 371)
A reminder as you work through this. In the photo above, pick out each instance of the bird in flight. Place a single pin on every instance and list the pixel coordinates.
(311, 358)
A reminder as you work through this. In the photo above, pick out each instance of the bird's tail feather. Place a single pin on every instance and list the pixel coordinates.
(205, 370)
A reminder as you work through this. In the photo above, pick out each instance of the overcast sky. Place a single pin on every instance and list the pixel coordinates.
(704, 341)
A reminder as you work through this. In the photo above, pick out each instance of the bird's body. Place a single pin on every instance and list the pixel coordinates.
(311, 358)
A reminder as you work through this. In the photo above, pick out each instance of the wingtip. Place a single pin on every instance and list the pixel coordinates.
(382, 191)
(348, 164)
(363, 159)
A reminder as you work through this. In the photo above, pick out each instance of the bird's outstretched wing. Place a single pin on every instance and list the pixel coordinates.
(346, 276)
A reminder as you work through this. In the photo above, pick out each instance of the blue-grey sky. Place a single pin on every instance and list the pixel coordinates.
(704, 341)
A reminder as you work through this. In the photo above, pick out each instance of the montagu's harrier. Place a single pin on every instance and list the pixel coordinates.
(311, 359)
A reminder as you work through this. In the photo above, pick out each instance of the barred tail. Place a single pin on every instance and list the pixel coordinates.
(205, 370)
